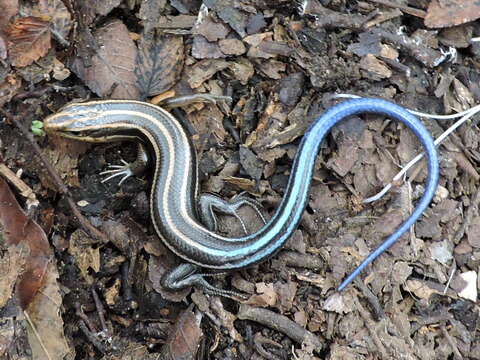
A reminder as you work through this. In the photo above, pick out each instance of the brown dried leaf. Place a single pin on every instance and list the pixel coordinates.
(19, 229)
(126, 235)
(209, 121)
(203, 49)
(286, 295)
(232, 47)
(242, 70)
(113, 65)
(60, 18)
(267, 296)
(44, 313)
(204, 70)
(242, 183)
(184, 340)
(228, 12)
(447, 13)
(36, 72)
(374, 68)
(63, 154)
(149, 13)
(8, 8)
(160, 62)
(473, 233)
(86, 257)
(210, 29)
(29, 40)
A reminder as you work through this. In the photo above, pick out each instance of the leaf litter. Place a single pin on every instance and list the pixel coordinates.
(280, 63)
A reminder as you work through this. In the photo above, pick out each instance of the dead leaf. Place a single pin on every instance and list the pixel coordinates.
(339, 303)
(113, 65)
(203, 49)
(447, 13)
(209, 121)
(59, 18)
(7, 336)
(184, 340)
(473, 232)
(374, 68)
(204, 70)
(60, 72)
(39, 70)
(228, 12)
(149, 13)
(176, 22)
(29, 40)
(19, 229)
(266, 296)
(232, 47)
(86, 257)
(210, 29)
(242, 183)
(242, 70)
(44, 313)
(8, 8)
(160, 62)
(250, 163)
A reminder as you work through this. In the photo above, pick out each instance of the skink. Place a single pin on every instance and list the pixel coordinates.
(174, 199)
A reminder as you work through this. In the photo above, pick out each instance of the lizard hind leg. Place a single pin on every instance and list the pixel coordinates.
(209, 202)
(186, 275)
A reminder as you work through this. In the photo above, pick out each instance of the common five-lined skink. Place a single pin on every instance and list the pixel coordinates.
(174, 200)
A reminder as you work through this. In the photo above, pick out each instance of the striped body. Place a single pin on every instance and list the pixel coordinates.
(174, 193)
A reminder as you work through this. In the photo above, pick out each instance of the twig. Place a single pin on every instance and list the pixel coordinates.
(81, 314)
(22, 188)
(92, 338)
(100, 310)
(280, 323)
(406, 9)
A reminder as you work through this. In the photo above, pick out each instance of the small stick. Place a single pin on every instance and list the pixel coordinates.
(100, 310)
(406, 9)
(450, 341)
(81, 314)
